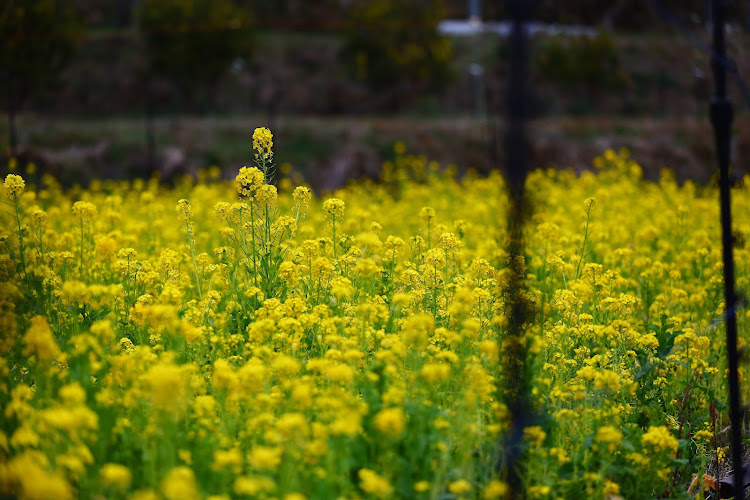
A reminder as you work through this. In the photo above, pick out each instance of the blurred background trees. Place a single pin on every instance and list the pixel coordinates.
(201, 54)
(192, 43)
(37, 41)
(83, 68)
(396, 43)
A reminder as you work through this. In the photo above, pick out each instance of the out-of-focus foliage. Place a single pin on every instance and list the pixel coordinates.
(329, 14)
(193, 42)
(304, 14)
(38, 38)
(630, 15)
(395, 42)
(581, 60)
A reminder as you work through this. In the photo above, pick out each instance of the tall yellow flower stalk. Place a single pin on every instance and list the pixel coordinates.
(14, 186)
(263, 237)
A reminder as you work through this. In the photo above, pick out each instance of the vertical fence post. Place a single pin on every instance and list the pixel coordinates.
(721, 118)
(512, 453)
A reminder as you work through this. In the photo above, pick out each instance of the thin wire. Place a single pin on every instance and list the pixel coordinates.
(729, 64)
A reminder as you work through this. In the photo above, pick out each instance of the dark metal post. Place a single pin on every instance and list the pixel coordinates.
(512, 454)
(721, 118)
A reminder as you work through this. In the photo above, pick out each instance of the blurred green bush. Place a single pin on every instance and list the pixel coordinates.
(396, 43)
(37, 40)
(194, 42)
(589, 61)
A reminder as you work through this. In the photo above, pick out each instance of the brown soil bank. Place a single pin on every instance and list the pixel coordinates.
(327, 152)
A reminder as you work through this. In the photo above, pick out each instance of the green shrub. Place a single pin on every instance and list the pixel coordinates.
(194, 42)
(38, 39)
(396, 42)
(581, 60)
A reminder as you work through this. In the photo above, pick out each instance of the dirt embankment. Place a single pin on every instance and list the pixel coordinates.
(327, 152)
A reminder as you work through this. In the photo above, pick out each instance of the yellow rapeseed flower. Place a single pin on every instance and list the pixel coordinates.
(184, 211)
(253, 486)
(302, 195)
(459, 487)
(115, 475)
(658, 439)
(421, 486)
(167, 385)
(40, 342)
(227, 459)
(264, 457)
(534, 435)
(374, 484)
(495, 490)
(610, 436)
(427, 214)
(390, 421)
(263, 143)
(14, 185)
(29, 475)
(434, 373)
(611, 488)
(334, 207)
(249, 180)
(539, 491)
(180, 484)
(84, 210)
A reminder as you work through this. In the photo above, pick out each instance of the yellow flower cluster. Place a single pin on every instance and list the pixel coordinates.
(659, 439)
(249, 180)
(376, 485)
(334, 206)
(14, 185)
(223, 340)
(263, 143)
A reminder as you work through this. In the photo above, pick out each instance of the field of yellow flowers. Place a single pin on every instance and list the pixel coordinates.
(249, 340)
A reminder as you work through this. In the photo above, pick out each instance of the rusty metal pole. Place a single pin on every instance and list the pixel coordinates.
(721, 118)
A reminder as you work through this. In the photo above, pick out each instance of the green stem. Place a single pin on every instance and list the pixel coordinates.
(311, 276)
(241, 242)
(583, 244)
(267, 262)
(80, 267)
(21, 246)
(434, 293)
(255, 250)
(333, 227)
(269, 243)
(191, 244)
(41, 245)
